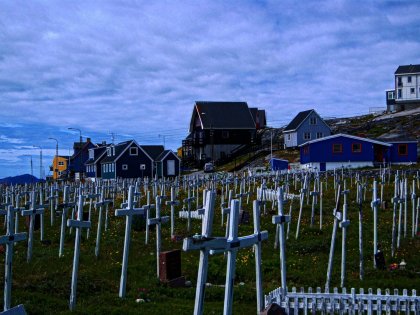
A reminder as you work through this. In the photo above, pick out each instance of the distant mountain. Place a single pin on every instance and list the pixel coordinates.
(20, 179)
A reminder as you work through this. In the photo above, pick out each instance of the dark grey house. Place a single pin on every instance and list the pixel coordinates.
(168, 164)
(306, 126)
(93, 164)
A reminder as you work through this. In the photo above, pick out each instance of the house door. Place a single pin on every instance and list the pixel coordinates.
(171, 167)
(322, 166)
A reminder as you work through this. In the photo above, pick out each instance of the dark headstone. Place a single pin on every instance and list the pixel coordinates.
(380, 260)
(85, 216)
(177, 282)
(37, 222)
(169, 265)
(273, 309)
(243, 217)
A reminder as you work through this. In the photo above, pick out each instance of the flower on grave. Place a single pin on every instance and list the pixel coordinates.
(393, 266)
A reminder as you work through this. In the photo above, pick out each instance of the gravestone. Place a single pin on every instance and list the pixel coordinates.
(170, 268)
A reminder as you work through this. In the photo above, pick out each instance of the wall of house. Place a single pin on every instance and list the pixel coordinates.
(312, 129)
(322, 151)
(218, 150)
(290, 139)
(107, 171)
(410, 157)
(133, 162)
(330, 166)
(164, 165)
(404, 91)
(60, 168)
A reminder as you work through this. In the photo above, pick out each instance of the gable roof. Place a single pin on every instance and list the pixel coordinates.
(300, 118)
(408, 69)
(119, 149)
(153, 150)
(346, 136)
(222, 115)
(164, 154)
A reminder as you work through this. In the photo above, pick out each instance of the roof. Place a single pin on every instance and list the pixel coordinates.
(119, 148)
(408, 69)
(153, 150)
(164, 154)
(346, 136)
(223, 115)
(298, 120)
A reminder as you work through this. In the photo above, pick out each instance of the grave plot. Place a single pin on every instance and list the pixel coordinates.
(44, 284)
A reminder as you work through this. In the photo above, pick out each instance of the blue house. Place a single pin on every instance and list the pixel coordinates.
(126, 160)
(93, 164)
(306, 126)
(168, 164)
(349, 151)
(80, 156)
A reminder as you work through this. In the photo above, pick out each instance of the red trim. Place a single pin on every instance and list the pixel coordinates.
(406, 149)
(337, 152)
(352, 147)
(306, 149)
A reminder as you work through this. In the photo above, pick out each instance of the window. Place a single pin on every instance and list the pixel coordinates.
(313, 121)
(306, 136)
(409, 79)
(288, 136)
(356, 147)
(319, 135)
(113, 151)
(306, 149)
(402, 149)
(103, 168)
(60, 173)
(61, 163)
(399, 81)
(112, 167)
(399, 93)
(142, 167)
(108, 151)
(91, 155)
(108, 168)
(133, 151)
(125, 166)
(337, 148)
(412, 90)
(391, 95)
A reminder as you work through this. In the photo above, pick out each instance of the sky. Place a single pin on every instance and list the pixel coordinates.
(133, 69)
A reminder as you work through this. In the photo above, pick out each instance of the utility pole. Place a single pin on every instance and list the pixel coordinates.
(55, 164)
(40, 161)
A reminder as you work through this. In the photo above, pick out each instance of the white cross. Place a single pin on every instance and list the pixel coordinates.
(34, 210)
(188, 200)
(65, 205)
(9, 239)
(128, 212)
(78, 224)
(172, 203)
(100, 204)
(157, 221)
(147, 207)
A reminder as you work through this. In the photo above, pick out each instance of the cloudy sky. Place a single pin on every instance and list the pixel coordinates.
(135, 68)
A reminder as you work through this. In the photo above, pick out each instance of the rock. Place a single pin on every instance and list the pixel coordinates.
(188, 284)
(140, 301)
(241, 283)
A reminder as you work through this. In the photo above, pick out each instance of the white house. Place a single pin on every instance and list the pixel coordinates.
(406, 94)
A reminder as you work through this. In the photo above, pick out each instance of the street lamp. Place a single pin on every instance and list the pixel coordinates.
(32, 168)
(40, 161)
(80, 132)
(55, 159)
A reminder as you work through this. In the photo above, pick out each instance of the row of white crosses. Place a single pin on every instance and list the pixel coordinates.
(231, 244)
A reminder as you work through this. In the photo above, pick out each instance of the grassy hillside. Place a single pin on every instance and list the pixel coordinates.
(43, 285)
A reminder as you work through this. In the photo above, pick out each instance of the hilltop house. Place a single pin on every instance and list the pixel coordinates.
(406, 92)
(217, 129)
(349, 151)
(306, 126)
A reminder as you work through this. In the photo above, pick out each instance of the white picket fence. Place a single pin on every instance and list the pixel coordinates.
(345, 303)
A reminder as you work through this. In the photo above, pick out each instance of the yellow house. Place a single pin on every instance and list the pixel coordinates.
(59, 166)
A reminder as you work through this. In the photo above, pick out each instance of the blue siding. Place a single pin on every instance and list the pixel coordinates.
(322, 151)
(306, 126)
(278, 164)
(411, 154)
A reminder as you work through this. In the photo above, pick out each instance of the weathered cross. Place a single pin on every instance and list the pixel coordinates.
(65, 206)
(172, 203)
(9, 239)
(157, 221)
(34, 210)
(78, 224)
(101, 205)
(147, 207)
(128, 212)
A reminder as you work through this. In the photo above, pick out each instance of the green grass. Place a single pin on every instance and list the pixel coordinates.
(43, 285)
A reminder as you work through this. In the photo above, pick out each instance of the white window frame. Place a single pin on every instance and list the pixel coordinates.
(136, 149)
(306, 138)
(60, 163)
(91, 154)
(108, 151)
(112, 167)
(319, 135)
(312, 121)
(124, 167)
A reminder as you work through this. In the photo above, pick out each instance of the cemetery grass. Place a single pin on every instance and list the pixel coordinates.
(43, 285)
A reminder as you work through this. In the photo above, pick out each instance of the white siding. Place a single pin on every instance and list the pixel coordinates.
(407, 86)
(293, 139)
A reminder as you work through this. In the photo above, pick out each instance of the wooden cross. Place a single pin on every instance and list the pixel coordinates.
(91, 197)
(188, 200)
(172, 203)
(343, 225)
(128, 212)
(231, 245)
(65, 206)
(280, 220)
(374, 204)
(302, 199)
(34, 210)
(78, 224)
(9, 239)
(147, 207)
(157, 221)
(101, 205)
